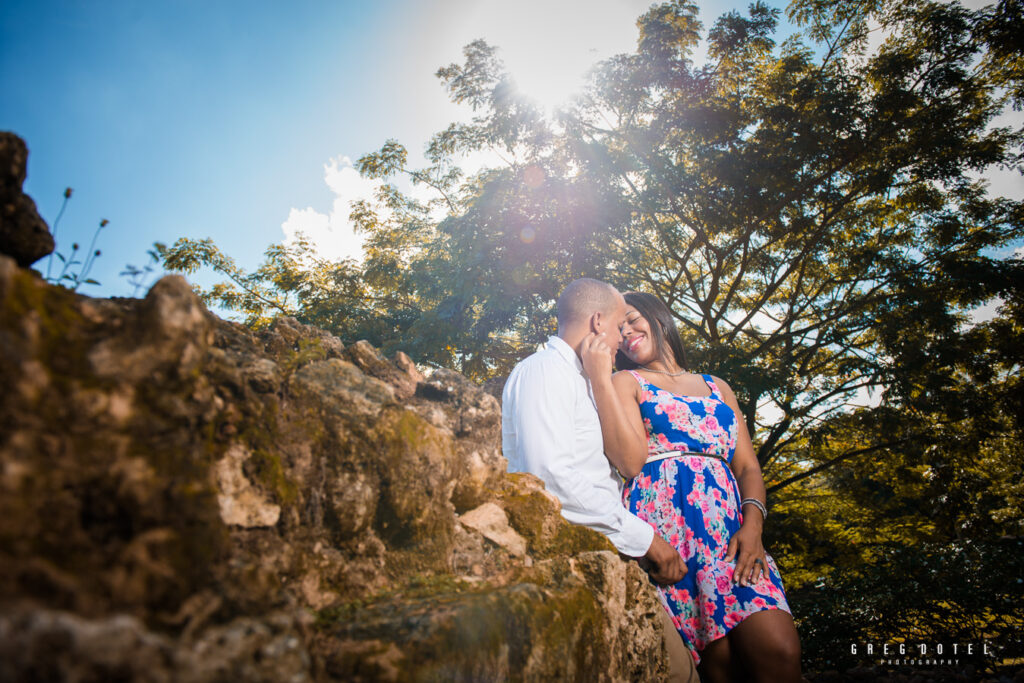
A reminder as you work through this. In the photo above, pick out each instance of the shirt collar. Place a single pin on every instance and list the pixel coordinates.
(565, 351)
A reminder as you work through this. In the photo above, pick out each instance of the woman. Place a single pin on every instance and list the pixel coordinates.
(698, 483)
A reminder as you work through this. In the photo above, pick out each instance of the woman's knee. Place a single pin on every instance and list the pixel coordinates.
(771, 636)
(785, 646)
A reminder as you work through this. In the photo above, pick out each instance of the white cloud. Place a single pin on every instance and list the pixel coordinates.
(332, 234)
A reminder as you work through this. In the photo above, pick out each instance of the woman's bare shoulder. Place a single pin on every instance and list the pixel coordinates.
(722, 385)
(725, 389)
(624, 379)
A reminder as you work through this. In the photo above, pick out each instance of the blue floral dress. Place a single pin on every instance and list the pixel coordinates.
(693, 503)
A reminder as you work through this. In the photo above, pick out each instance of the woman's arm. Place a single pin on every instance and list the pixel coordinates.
(746, 543)
(625, 441)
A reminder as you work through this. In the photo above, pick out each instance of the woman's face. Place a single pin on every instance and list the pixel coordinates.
(637, 340)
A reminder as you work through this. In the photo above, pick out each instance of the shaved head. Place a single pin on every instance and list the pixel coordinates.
(584, 297)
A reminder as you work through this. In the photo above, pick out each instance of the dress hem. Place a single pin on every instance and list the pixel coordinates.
(694, 651)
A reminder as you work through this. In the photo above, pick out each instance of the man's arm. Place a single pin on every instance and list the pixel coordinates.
(542, 414)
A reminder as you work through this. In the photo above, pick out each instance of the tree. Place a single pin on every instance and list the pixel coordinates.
(809, 211)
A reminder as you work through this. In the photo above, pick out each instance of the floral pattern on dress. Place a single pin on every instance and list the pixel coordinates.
(693, 501)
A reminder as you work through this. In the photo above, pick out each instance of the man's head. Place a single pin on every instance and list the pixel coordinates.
(588, 305)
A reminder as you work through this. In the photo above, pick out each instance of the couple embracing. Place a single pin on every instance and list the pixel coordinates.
(658, 460)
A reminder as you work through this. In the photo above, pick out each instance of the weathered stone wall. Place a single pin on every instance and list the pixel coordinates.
(184, 499)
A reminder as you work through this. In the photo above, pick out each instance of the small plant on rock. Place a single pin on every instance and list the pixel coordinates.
(70, 276)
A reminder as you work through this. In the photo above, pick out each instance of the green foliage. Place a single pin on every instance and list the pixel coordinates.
(141, 278)
(962, 592)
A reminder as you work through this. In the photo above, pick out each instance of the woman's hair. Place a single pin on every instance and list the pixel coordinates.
(663, 329)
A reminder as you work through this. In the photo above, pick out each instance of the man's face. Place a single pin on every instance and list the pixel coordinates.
(616, 319)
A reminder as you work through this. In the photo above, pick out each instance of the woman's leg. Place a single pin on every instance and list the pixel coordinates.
(768, 647)
(716, 662)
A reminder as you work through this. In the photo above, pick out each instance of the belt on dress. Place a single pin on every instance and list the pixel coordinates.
(678, 454)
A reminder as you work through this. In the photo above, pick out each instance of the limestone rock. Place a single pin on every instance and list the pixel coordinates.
(52, 645)
(535, 513)
(546, 626)
(405, 364)
(340, 384)
(170, 332)
(288, 336)
(473, 415)
(24, 236)
(13, 162)
(472, 409)
(370, 361)
(263, 375)
(491, 521)
(184, 499)
(241, 504)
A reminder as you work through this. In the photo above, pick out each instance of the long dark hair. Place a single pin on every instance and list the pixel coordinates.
(663, 329)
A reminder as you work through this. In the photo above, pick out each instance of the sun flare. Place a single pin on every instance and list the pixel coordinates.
(548, 47)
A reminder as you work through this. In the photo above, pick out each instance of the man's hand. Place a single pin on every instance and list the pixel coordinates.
(597, 356)
(668, 566)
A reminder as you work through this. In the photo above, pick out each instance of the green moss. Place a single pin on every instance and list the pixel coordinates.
(527, 514)
(412, 459)
(63, 339)
(547, 533)
(260, 428)
(309, 350)
(410, 428)
(572, 539)
(415, 588)
(516, 632)
(268, 470)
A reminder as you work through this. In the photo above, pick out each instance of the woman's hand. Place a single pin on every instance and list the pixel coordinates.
(597, 357)
(622, 428)
(745, 545)
(751, 561)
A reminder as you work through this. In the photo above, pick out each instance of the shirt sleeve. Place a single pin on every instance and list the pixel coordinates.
(543, 421)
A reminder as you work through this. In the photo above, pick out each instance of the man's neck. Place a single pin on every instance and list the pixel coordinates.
(574, 338)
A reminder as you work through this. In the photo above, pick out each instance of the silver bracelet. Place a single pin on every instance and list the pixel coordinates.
(756, 503)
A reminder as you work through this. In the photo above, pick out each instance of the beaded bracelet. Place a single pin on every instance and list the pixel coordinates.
(756, 503)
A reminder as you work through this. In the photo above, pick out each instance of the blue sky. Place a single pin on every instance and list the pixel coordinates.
(191, 118)
(235, 120)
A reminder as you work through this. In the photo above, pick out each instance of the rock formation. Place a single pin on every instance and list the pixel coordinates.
(182, 498)
(23, 234)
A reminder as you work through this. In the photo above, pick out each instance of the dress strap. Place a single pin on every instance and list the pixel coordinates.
(638, 377)
(715, 393)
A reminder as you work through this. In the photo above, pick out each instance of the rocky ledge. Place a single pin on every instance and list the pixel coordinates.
(184, 499)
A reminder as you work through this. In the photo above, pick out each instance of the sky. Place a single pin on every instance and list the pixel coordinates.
(239, 121)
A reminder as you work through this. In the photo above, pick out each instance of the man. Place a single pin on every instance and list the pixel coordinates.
(550, 427)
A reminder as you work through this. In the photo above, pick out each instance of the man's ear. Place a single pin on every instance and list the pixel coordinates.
(596, 322)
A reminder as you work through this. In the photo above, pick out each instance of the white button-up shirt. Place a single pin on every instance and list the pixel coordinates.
(550, 427)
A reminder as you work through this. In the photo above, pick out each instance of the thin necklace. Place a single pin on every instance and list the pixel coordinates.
(664, 372)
